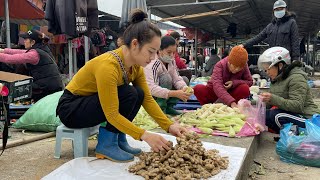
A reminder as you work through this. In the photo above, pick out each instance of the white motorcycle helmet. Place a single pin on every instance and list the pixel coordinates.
(273, 56)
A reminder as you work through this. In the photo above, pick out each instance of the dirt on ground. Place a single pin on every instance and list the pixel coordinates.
(35, 160)
(276, 169)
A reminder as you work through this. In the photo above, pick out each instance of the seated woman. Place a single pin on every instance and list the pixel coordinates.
(289, 93)
(164, 82)
(101, 92)
(39, 63)
(230, 80)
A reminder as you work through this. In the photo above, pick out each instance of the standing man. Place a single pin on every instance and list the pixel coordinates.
(282, 31)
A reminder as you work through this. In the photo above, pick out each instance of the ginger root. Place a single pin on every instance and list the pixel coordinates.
(187, 160)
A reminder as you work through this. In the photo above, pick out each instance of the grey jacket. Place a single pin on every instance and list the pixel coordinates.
(280, 32)
(214, 59)
(291, 92)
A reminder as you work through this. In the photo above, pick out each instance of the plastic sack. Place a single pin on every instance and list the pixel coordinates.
(301, 149)
(42, 115)
(316, 119)
(256, 117)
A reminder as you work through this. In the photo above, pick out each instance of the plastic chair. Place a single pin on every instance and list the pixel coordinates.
(79, 139)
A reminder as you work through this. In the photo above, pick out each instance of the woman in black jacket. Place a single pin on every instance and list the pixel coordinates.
(39, 63)
(282, 31)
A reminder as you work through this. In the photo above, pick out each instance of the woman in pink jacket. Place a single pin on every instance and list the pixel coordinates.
(229, 82)
(164, 82)
(39, 62)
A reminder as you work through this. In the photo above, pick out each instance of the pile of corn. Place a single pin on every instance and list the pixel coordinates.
(215, 117)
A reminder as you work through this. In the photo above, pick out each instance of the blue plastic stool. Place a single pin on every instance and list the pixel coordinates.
(79, 139)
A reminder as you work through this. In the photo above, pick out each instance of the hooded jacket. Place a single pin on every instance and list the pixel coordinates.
(291, 92)
(280, 32)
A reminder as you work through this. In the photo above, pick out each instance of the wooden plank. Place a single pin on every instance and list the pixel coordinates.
(212, 13)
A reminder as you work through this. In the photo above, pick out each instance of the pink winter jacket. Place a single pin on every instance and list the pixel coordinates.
(18, 56)
(157, 68)
(221, 75)
(180, 64)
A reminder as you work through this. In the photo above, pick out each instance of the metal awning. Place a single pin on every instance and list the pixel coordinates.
(252, 15)
(127, 6)
(23, 12)
(39, 22)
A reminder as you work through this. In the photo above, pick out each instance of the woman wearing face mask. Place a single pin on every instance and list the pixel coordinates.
(289, 93)
(166, 85)
(282, 31)
(100, 92)
(230, 80)
(39, 63)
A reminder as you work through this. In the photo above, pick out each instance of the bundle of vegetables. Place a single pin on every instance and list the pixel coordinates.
(202, 79)
(144, 120)
(215, 117)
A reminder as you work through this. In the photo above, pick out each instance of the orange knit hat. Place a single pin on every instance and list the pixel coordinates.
(238, 56)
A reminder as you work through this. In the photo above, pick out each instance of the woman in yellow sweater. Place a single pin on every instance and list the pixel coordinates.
(100, 92)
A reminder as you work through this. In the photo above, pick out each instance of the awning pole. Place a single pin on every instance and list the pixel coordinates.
(196, 51)
(149, 13)
(75, 64)
(70, 59)
(86, 48)
(6, 7)
(215, 43)
(308, 55)
(314, 49)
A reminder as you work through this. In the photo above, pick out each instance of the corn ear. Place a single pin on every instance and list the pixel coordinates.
(209, 124)
(223, 129)
(219, 125)
(237, 128)
(206, 130)
(232, 133)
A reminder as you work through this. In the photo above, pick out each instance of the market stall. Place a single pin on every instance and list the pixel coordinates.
(246, 19)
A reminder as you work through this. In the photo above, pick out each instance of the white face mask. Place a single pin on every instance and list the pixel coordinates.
(166, 59)
(279, 14)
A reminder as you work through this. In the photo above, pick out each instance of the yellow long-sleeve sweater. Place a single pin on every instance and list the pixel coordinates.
(102, 75)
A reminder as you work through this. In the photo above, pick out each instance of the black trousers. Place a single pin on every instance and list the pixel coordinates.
(276, 118)
(85, 111)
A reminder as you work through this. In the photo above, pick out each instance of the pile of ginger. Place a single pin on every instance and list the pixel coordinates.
(186, 160)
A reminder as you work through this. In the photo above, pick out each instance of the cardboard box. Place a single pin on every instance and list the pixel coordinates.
(20, 86)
